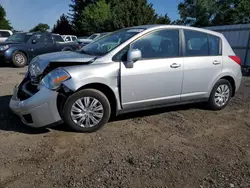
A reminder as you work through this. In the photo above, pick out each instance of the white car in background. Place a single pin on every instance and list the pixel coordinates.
(91, 38)
(69, 38)
(4, 34)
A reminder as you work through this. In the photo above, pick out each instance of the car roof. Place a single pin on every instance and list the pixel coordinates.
(155, 26)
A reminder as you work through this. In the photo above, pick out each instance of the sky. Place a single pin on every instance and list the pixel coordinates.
(25, 14)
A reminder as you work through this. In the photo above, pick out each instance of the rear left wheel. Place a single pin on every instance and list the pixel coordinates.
(87, 110)
(220, 95)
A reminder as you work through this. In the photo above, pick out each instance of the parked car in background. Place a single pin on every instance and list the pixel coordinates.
(21, 48)
(84, 42)
(4, 34)
(69, 38)
(132, 69)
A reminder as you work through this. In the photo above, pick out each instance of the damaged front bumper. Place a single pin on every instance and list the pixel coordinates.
(35, 108)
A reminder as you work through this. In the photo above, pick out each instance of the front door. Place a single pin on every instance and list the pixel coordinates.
(202, 64)
(156, 79)
(40, 46)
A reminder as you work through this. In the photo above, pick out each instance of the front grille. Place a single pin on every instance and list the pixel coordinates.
(26, 89)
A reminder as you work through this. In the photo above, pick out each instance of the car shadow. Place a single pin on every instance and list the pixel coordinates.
(144, 113)
(10, 122)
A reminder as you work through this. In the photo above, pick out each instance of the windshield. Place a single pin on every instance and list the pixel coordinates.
(107, 43)
(19, 37)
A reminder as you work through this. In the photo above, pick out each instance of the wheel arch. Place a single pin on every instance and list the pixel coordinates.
(24, 52)
(232, 82)
(107, 91)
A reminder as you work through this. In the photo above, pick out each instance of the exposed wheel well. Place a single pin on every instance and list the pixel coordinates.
(232, 82)
(106, 91)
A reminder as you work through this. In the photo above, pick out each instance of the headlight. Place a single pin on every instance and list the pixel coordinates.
(34, 68)
(5, 47)
(54, 79)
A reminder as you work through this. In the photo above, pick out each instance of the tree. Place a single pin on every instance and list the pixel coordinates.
(127, 13)
(95, 17)
(4, 23)
(214, 12)
(63, 26)
(232, 12)
(76, 8)
(40, 27)
(163, 19)
(197, 12)
(89, 16)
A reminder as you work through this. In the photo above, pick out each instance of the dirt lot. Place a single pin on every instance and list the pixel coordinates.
(182, 147)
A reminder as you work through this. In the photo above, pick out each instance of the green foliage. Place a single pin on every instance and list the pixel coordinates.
(101, 16)
(214, 12)
(95, 17)
(40, 27)
(127, 13)
(76, 8)
(232, 12)
(4, 23)
(63, 26)
(163, 19)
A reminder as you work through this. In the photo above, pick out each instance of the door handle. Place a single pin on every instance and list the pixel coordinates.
(216, 62)
(175, 65)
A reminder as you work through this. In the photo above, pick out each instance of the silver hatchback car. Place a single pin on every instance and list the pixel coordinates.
(131, 69)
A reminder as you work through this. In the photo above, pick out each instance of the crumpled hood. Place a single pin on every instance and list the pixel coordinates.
(62, 57)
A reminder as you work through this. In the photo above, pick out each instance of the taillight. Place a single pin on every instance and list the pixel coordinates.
(236, 59)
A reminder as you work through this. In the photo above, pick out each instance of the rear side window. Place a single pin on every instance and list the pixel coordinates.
(214, 45)
(196, 43)
(58, 38)
(74, 38)
(4, 34)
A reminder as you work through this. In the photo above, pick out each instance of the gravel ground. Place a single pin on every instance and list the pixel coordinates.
(184, 147)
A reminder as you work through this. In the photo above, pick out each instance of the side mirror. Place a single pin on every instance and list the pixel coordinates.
(33, 41)
(133, 56)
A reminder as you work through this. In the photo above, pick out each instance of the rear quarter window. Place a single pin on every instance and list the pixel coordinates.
(214, 45)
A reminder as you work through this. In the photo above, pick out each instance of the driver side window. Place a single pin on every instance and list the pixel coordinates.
(158, 44)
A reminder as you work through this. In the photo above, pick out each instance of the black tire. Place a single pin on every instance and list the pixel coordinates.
(86, 93)
(211, 103)
(16, 63)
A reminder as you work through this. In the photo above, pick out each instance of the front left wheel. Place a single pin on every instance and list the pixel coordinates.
(87, 110)
(19, 59)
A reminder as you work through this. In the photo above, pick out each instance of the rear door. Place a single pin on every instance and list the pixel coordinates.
(202, 64)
